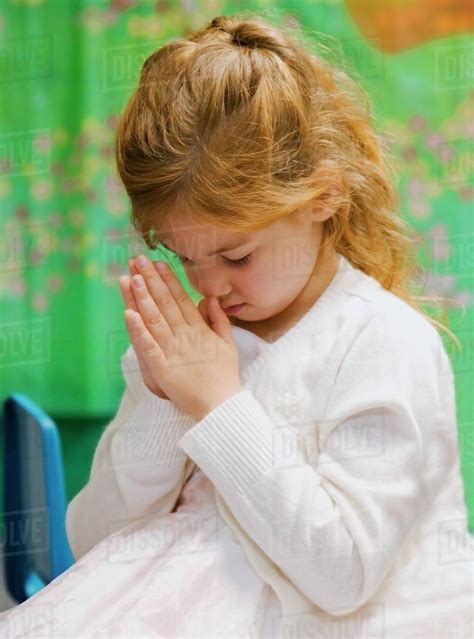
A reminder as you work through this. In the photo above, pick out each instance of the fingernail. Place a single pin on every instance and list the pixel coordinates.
(142, 261)
(138, 281)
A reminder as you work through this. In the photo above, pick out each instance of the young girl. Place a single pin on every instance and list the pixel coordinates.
(284, 460)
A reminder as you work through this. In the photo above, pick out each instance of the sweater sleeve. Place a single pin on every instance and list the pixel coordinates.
(332, 504)
(137, 468)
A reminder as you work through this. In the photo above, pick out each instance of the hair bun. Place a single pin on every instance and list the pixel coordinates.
(223, 23)
(247, 34)
(244, 37)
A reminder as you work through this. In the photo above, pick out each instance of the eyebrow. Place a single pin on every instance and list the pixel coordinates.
(223, 249)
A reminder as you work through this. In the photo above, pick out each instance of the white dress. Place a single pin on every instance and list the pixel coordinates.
(183, 574)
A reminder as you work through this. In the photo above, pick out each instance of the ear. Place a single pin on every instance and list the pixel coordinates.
(327, 204)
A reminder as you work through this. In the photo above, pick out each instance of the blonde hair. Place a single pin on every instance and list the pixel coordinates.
(239, 124)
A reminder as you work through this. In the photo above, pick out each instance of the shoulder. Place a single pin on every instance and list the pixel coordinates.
(379, 335)
(386, 356)
(401, 323)
(380, 316)
(409, 338)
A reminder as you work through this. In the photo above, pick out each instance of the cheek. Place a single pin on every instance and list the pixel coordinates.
(257, 282)
(293, 260)
(279, 276)
(267, 271)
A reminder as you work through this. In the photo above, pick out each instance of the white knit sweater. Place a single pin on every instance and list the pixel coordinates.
(337, 467)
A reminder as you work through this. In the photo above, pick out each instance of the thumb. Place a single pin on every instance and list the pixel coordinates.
(220, 323)
(203, 309)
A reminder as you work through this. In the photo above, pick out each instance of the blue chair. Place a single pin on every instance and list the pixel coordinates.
(36, 549)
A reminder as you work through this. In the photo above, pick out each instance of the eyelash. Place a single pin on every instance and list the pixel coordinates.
(240, 262)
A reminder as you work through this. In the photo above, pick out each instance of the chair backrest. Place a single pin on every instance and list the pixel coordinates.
(36, 549)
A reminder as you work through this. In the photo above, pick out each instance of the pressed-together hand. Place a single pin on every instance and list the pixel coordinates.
(195, 366)
(130, 302)
(129, 298)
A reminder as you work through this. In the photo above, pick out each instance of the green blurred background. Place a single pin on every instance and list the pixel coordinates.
(67, 69)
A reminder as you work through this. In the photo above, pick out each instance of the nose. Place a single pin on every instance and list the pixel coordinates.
(211, 282)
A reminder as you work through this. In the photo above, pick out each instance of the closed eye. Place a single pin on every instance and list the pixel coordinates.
(239, 262)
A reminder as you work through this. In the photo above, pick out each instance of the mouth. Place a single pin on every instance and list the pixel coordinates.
(233, 310)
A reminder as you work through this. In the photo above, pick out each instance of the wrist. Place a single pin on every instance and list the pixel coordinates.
(213, 403)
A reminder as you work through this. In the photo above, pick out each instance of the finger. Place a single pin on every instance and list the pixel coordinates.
(131, 266)
(187, 308)
(127, 286)
(129, 299)
(133, 271)
(141, 363)
(151, 314)
(172, 287)
(127, 293)
(202, 308)
(132, 291)
(130, 303)
(150, 351)
(164, 296)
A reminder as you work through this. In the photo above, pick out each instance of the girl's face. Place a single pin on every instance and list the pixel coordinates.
(266, 270)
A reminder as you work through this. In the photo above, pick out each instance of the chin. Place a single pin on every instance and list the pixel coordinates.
(253, 315)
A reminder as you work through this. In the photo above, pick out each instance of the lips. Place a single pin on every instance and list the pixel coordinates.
(231, 310)
(226, 308)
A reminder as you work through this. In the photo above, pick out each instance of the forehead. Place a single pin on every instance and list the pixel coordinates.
(205, 235)
(180, 231)
(192, 236)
